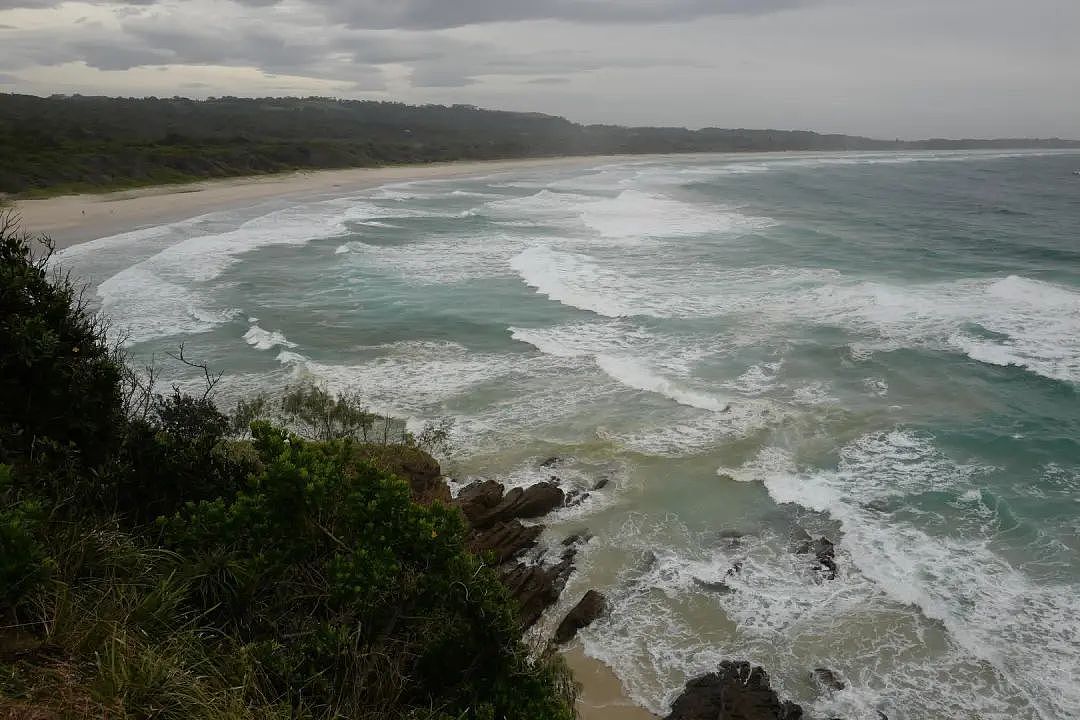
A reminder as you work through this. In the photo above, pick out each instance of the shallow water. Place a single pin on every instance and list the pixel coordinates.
(882, 348)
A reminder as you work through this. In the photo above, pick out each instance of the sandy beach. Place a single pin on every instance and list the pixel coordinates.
(71, 219)
(602, 696)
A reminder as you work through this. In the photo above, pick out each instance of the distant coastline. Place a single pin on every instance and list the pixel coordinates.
(69, 144)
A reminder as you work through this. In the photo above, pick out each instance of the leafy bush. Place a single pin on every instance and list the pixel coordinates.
(60, 380)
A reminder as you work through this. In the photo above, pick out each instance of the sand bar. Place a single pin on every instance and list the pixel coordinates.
(71, 219)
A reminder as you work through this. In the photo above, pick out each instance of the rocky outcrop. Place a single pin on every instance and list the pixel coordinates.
(588, 609)
(736, 691)
(477, 499)
(487, 505)
(505, 540)
(536, 587)
(494, 516)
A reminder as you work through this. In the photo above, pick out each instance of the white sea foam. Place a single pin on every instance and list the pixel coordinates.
(1029, 323)
(640, 376)
(637, 214)
(158, 297)
(437, 260)
(1029, 632)
(261, 339)
(575, 280)
(433, 372)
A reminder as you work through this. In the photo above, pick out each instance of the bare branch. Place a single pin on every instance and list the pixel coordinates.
(211, 379)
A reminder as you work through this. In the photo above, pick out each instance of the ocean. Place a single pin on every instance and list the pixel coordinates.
(878, 348)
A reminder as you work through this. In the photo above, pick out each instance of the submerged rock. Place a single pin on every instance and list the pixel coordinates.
(602, 483)
(825, 551)
(577, 538)
(828, 679)
(550, 462)
(717, 586)
(736, 691)
(588, 609)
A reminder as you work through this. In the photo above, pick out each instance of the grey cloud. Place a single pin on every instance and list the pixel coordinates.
(441, 14)
(6, 79)
(548, 81)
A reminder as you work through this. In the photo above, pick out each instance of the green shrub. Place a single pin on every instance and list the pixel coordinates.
(353, 597)
(60, 381)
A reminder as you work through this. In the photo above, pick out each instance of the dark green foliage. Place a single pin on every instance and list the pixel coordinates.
(152, 564)
(22, 560)
(60, 383)
(352, 596)
(176, 453)
(82, 143)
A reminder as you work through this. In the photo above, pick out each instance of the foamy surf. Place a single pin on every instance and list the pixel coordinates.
(609, 315)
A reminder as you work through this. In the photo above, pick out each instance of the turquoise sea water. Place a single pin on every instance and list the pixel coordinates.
(880, 348)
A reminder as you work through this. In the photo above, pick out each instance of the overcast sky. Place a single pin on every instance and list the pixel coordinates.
(887, 68)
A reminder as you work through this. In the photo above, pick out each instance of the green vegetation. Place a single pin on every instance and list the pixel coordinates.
(68, 144)
(154, 563)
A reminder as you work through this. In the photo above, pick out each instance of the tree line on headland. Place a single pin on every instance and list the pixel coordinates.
(82, 143)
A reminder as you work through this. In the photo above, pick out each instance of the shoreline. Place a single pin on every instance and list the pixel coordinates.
(74, 219)
(602, 696)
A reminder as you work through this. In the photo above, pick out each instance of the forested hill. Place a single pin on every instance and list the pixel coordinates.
(67, 143)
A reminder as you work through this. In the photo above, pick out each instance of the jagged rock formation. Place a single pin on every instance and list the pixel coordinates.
(588, 609)
(495, 515)
(736, 691)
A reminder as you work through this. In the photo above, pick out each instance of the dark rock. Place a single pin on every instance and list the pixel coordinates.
(592, 606)
(550, 462)
(478, 499)
(576, 497)
(535, 587)
(506, 540)
(601, 483)
(828, 679)
(577, 538)
(825, 552)
(536, 501)
(734, 569)
(736, 691)
(730, 534)
(717, 586)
